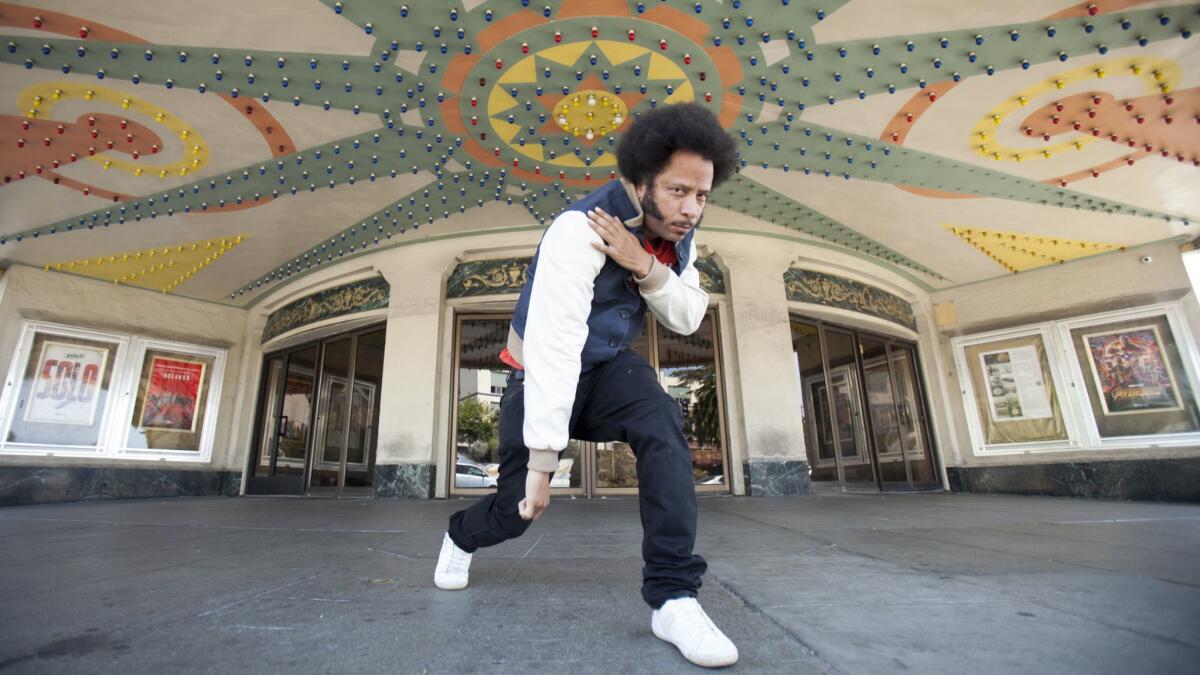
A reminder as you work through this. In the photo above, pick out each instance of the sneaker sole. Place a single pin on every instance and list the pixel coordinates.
(450, 586)
(712, 661)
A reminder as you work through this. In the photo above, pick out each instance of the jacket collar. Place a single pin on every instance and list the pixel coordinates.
(631, 192)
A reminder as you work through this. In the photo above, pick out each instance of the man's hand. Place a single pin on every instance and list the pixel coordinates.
(537, 495)
(619, 243)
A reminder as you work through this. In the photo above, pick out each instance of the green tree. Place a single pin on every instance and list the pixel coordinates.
(478, 424)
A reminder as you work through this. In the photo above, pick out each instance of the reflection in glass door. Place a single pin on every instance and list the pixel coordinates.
(480, 385)
(911, 413)
(861, 431)
(688, 370)
(333, 413)
(284, 421)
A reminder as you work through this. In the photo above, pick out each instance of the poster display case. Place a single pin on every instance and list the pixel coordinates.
(1112, 380)
(1135, 372)
(173, 390)
(1012, 390)
(59, 392)
(76, 392)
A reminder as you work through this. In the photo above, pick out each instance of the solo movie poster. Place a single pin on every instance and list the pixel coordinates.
(172, 394)
(1131, 372)
(67, 388)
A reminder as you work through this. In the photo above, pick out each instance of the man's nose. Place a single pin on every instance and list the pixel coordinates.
(690, 208)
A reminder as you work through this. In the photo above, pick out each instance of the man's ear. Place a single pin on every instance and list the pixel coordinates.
(640, 189)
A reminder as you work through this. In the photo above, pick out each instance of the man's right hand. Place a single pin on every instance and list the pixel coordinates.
(537, 495)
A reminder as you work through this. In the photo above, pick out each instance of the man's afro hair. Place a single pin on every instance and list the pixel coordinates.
(656, 134)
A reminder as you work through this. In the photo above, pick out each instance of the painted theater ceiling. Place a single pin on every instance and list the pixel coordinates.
(220, 149)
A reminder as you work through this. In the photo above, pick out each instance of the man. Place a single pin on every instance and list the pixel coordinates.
(623, 249)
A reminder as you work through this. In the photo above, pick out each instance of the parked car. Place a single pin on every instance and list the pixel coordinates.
(472, 476)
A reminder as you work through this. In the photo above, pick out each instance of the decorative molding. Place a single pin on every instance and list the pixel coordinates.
(487, 277)
(360, 296)
(507, 275)
(712, 279)
(834, 291)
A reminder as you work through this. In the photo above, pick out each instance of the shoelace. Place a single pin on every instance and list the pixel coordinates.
(695, 618)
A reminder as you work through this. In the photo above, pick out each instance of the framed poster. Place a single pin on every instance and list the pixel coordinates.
(1011, 393)
(173, 389)
(1134, 370)
(67, 385)
(1131, 372)
(1015, 385)
(172, 394)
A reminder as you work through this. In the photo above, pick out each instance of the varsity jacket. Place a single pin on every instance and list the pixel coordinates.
(579, 308)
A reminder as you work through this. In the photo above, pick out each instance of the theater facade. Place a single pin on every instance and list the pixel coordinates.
(272, 248)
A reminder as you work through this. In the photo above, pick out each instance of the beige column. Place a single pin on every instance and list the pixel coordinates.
(405, 458)
(769, 404)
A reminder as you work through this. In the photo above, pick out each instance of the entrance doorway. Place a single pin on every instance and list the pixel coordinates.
(688, 368)
(317, 417)
(864, 414)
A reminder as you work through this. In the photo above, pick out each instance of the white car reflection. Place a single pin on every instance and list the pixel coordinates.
(472, 476)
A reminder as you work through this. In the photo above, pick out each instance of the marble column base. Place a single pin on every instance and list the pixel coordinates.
(778, 478)
(43, 485)
(412, 481)
(1163, 480)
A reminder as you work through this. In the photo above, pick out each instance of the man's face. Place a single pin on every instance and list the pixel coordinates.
(674, 200)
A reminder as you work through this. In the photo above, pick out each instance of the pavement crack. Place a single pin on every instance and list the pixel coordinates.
(730, 589)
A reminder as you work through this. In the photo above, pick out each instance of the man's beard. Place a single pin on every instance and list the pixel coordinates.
(650, 208)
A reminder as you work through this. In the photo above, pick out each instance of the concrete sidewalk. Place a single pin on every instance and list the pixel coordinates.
(851, 584)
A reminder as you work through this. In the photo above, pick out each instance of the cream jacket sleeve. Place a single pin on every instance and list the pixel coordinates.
(677, 300)
(555, 332)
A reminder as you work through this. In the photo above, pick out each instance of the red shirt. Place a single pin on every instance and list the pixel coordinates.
(664, 251)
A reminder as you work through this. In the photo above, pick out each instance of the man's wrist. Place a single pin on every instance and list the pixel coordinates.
(647, 268)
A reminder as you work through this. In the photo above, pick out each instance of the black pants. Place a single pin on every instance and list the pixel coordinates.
(620, 400)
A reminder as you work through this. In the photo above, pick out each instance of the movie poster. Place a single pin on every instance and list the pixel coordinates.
(1016, 387)
(172, 394)
(1131, 372)
(67, 386)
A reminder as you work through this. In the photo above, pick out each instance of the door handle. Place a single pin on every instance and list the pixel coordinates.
(283, 421)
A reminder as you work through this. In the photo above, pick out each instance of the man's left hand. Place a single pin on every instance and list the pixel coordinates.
(619, 243)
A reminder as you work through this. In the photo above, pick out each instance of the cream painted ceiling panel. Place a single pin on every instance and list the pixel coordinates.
(284, 25)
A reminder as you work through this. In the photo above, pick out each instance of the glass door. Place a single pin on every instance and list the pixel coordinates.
(910, 410)
(863, 415)
(316, 430)
(835, 431)
(284, 421)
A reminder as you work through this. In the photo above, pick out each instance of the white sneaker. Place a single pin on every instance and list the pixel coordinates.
(453, 566)
(683, 623)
